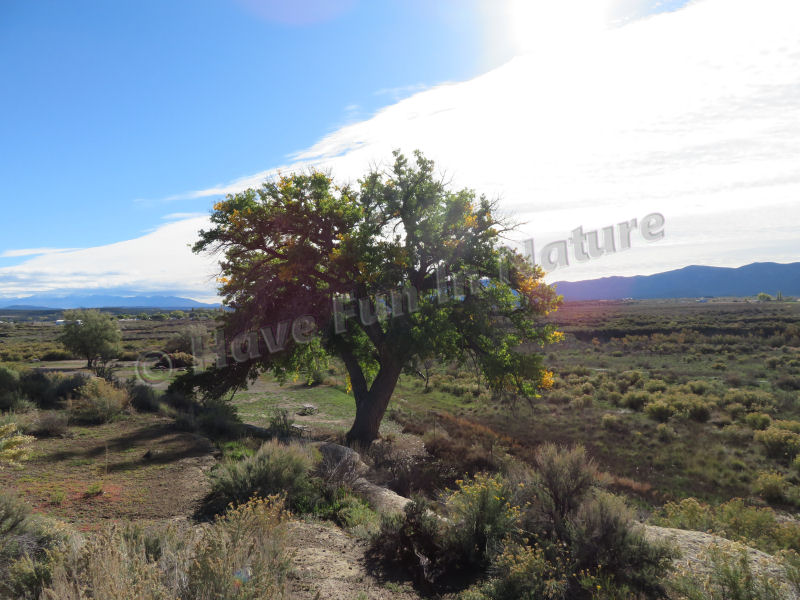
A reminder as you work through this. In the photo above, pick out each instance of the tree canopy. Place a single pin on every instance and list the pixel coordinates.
(91, 334)
(392, 270)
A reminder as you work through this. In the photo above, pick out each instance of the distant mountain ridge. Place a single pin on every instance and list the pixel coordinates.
(690, 282)
(52, 301)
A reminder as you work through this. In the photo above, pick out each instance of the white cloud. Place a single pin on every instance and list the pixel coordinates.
(694, 114)
(160, 260)
(32, 252)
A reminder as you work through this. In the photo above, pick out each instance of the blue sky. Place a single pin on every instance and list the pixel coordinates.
(120, 122)
(111, 103)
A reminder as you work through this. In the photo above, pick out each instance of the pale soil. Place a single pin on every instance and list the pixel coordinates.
(330, 564)
(693, 545)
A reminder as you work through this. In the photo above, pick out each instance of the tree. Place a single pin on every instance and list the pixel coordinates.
(383, 274)
(91, 334)
(764, 297)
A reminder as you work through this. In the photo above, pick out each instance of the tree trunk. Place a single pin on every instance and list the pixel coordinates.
(371, 405)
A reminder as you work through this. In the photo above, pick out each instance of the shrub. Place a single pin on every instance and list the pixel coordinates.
(242, 555)
(665, 433)
(611, 422)
(142, 396)
(793, 426)
(655, 385)
(98, 401)
(275, 468)
(605, 541)
(13, 445)
(30, 546)
(280, 424)
(481, 517)
(698, 387)
(779, 443)
(635, 400)
(565, 477)
(615, 398)
(68, 386)
(413, 540)
(698, 410)
(659, 410)
(730, 577)
(50, 423)
(523, 573)
(771, 487)
(39, 388)
(219, 419)
(9, 387)
(758, 421)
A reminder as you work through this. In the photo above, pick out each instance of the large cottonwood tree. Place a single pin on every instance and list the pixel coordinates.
(395, 269)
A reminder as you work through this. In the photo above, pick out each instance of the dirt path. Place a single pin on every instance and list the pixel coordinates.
(330, 565)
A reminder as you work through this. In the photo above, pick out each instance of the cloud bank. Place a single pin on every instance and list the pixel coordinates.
(694, 114)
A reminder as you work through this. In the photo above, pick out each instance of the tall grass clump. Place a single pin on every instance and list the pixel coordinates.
(98, 401)
(30, 547)
(730, 576)
(274, 469)
(242, 555)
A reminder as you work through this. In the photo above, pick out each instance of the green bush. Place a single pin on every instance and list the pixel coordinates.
(659, 410)
(274, 469)
(39, 388)
(481, 517)
(9, 388)
(771, 487)
(98, 401)
(30, 547)
(523, 573)
(699, 387)
(656, 385)
(758, 421)
(635, 400)
(779, 443)
(698, 410)
(143, 397)
(219, 419)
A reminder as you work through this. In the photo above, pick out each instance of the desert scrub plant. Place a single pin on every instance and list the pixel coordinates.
(779, 443)
(772, 487)
(241, 555)
(734, 520)
(522, 572)
(98, 401)
(758, 421)
(14, 446)
(636, 399)
(659, 410)
(30, 547)
(730, 576)
(275, 468)
(50, 423)
(9, 387)
(665, 433)
(481, 516)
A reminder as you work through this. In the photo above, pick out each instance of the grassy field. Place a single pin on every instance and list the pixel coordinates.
(673, 400)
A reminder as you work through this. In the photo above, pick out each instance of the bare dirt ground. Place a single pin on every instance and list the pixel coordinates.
(330, 565)
(139, 468)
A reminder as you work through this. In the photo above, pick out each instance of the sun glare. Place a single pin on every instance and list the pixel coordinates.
(545, 26)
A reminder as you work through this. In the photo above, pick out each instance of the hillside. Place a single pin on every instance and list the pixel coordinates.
(690, 282)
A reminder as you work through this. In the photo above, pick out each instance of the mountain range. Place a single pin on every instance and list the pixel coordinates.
(65, 301)
(690, 282)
